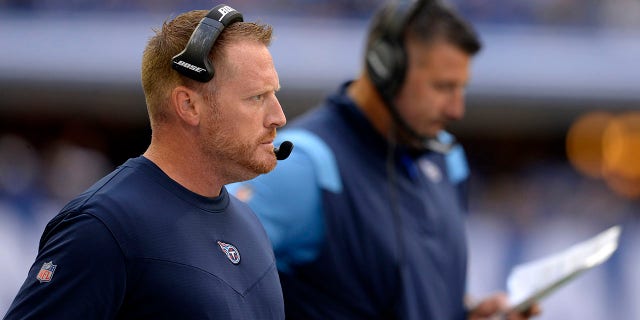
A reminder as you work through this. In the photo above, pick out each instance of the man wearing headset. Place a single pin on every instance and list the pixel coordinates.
(160, 237)
(367, 217)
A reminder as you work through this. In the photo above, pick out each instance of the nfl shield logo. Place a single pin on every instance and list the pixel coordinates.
(232, 253)
(46, 272)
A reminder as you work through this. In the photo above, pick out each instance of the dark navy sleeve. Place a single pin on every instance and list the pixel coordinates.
(79, 273)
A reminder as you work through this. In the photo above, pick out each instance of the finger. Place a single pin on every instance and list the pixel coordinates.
(532, 311)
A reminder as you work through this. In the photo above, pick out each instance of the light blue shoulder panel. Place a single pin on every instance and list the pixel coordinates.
(324, 162)
(456, 160)
(288, 201)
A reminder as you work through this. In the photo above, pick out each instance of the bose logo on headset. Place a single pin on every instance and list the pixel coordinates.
(193, 62)
(224, 10)
(190, 66)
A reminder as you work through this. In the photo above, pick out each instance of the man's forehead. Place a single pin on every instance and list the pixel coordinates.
(435, 51)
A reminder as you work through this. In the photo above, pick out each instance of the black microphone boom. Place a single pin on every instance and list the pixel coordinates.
(284, 150)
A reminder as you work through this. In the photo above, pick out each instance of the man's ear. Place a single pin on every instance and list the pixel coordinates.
(183, 102)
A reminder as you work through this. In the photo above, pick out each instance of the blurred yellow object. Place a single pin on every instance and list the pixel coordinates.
(621, 154)
(601, 145)
(584, 143)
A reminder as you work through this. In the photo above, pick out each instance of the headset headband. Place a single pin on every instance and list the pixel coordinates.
(193, 61)
(386, 59)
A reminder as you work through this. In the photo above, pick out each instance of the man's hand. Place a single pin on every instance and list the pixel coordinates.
(497, 307)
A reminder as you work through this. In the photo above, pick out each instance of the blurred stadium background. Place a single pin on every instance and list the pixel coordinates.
(552, 130)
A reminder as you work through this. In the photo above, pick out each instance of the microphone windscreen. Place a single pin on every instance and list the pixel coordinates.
(284, 150)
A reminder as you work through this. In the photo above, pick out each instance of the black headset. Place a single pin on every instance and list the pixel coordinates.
(193, 61)
(386, 56)
(386, 62)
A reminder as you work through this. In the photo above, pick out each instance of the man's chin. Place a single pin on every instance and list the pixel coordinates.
(264, 165)
(435, 131)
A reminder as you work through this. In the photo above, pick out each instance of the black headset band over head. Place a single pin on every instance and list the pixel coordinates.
(386, 57)
(193, 61)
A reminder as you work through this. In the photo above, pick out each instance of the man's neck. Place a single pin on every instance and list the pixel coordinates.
(186, 167)
(369, 102)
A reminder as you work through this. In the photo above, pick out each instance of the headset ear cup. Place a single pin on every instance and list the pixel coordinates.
(386, 59)
(378, 63)
(386, 66)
